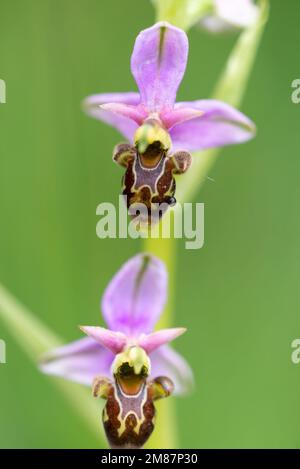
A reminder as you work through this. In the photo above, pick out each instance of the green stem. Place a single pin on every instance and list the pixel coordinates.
(165, 433)
(163, 437)
(230, 88)
(182, 13)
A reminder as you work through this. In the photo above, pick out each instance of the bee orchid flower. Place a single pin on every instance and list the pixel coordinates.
(161, 132)
(127, 364)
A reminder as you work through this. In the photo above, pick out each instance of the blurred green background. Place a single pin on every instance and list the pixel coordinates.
(239, 296)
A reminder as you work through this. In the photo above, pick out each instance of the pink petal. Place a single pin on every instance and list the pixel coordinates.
(131, 112)
(220, 125)
(179, 115)
(158, 64)
(135, 297)
(79, 361)
(113, 341)
(166, 362)
(126, 126)
(152, 341)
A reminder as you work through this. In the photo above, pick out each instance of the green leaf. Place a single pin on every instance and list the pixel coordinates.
(36, 338)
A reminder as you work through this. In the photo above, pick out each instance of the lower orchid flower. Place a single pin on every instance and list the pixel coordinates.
(129, 365)
(162, 133)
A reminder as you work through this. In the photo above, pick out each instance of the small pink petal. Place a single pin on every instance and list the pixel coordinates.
(150, 342)
(177, 116)
(92, 106)
(113, 341)
(126, 110)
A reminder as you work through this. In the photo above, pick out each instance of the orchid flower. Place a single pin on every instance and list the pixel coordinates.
(161, 133)
(230, 14)
(130, 365)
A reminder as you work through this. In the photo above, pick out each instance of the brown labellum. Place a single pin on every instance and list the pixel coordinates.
(129, 413)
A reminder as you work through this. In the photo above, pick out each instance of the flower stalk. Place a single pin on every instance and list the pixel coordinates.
(182, 13)
(230, 88)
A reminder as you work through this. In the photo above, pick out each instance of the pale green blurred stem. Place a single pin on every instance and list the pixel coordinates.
(230, 88)
(35, 338)
(182, 13)
(165, 433)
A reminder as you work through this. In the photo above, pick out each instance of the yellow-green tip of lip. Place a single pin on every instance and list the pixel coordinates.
(151, 132)
(136, 357)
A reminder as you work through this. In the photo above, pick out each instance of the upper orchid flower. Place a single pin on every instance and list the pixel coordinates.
(162, 132)
(131, 366)
(230, 14)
